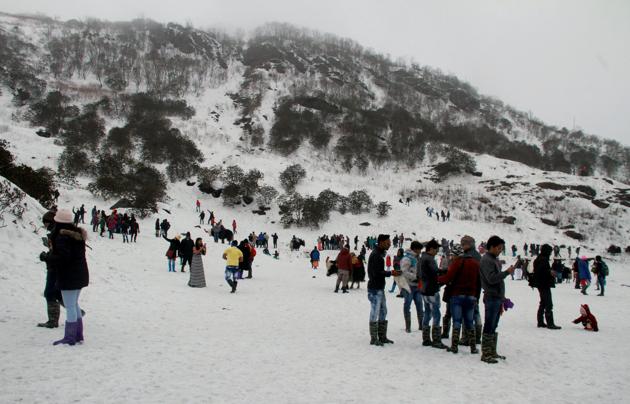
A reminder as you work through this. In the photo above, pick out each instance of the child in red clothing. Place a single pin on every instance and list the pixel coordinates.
(587, 319)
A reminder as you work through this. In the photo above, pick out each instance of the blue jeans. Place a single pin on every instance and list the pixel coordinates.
(414, 296)
(378, 307)
(431, 310)
(171, 265)
(463, 307)
(492, 315)
(393, 287)
(230, 273)
(71, 300)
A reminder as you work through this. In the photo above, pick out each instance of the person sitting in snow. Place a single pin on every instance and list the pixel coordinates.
(587, 319)
(276, 255)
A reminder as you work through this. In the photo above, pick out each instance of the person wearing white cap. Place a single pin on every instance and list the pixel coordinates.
(68, 255)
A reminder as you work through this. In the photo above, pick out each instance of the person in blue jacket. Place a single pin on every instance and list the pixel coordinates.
(584, 273)
(315, 258)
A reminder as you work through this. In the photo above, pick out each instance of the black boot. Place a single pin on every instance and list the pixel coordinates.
(454, 341)
(374, 334)
(472, 341)
(420, 318)
(234, 287)
(539, 317)
(337, 289)
(478, 332)
(407, 322)
(53, 315)
(486, 349)
(344, 290)
(426, 336)
(550, 323)
(435, 335)
(446, 327)
(382, 333)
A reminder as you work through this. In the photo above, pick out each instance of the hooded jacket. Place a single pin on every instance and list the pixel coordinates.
(587, 319)
(68, 257)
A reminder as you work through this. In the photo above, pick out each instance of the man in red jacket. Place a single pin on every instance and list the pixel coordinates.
(464, 288)
(344, 265)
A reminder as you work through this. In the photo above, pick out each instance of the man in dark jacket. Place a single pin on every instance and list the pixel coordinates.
(244, 265)
(544, 279)
(376, 293)
(51, 292)
(186, 251)
(431, 297)
(492, 283)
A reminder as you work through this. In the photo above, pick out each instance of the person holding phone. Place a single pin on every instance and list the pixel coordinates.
(493, 285)
(197, 275)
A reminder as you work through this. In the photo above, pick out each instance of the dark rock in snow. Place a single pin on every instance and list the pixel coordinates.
(43, 133)
(613, 249)
(549, 222)
(568, 227)
(600, 204)
(507, 219)
(365, 224)
(585, 189)
(551, 185)
(574, 235)
(190, 183)
(476, 173)
(259, 212)
(248, 200)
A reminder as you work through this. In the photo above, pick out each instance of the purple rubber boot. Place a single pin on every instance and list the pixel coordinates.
(70, 335)
(80, 330)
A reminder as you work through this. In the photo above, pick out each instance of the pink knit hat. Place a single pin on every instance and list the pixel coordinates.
(64, 216)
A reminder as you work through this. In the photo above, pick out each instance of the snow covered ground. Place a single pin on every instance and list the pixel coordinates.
(284, 336)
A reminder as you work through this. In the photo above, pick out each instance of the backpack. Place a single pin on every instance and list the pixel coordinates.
(604, 268)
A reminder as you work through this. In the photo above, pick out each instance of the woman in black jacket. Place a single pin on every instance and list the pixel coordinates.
(67, 254)
(544, 280)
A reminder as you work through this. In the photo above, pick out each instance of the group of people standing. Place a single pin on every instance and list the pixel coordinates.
(420, 281)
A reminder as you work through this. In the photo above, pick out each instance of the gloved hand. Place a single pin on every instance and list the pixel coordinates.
(507, 304)
(43, 256)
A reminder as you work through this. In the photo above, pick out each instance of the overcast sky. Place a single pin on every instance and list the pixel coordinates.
(563, 60)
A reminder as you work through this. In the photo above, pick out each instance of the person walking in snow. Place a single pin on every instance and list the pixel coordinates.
(600, 269)
(314, 258)
(409, 269)
(134, 229)
(164, 227)
(234, 226)
(186, 251)
(157, 227)
(376, 291)
(124, 230)
(583, 273)
(67, 255)
(430, 296)
(544, 279)
(197, 275)
(344, 265)
(274, 237)
(233, 257)
(244, 265)
(198, 206)
(171, 253)
(51, 291)
(493, 285)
